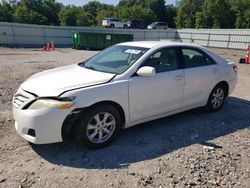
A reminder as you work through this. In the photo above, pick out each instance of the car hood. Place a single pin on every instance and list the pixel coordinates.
(53, 82)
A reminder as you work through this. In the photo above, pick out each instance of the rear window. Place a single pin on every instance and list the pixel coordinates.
(196, 58)
(193, 58)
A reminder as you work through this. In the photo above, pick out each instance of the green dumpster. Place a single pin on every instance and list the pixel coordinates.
(98, 41)
(75, 40)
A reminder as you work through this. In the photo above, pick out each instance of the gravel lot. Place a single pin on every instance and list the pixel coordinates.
(191, 149)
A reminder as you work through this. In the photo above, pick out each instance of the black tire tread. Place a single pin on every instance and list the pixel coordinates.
(209, 107)
(81, 124)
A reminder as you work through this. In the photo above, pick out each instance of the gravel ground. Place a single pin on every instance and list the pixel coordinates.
(191, 149)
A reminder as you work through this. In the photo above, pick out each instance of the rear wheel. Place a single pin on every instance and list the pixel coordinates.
(98, 126)
(216, 98)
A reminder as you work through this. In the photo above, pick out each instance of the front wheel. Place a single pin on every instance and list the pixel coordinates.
(216, 98)
(98, 126)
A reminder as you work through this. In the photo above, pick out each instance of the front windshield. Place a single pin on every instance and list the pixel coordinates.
(153, 24)
(115, 59)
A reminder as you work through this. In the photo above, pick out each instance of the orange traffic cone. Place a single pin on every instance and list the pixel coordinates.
(48, 47)
(247, 56)
(44, 48)
(52, 45)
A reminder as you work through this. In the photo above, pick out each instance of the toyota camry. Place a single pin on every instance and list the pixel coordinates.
(121, 86)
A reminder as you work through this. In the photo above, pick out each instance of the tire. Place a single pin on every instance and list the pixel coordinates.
(112, 26)
(216, 98)
(125, 27)
(98, 126)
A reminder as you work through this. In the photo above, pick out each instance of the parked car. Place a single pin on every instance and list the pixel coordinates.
(124, 85)
(135, 24)
(158, 25)
(113, 23)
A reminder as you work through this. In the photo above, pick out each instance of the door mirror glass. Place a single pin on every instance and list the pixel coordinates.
(146, 71)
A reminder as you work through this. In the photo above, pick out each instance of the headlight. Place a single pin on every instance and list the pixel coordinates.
(63, 103)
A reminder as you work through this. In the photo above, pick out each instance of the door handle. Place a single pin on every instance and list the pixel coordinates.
(215, 70)
(178, 77)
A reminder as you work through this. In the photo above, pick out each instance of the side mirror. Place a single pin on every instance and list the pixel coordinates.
(146, 71)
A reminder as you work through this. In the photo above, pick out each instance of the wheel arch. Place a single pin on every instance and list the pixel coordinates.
(71, 119)
(116, 105)
(224, 84)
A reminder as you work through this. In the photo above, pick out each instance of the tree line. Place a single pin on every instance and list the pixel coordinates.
(185, 14)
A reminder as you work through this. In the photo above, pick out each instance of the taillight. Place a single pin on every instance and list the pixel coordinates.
(235, 68)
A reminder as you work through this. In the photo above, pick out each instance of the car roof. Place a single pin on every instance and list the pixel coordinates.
(109, 18)
(158, 22)
(152, 44)
(136, 20)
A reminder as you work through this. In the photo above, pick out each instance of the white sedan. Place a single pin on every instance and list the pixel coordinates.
(124, 85)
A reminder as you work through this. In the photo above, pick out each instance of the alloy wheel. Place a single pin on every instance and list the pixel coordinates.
(217, 98)
(101, 127)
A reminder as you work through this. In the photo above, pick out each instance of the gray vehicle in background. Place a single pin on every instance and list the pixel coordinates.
(158, 25)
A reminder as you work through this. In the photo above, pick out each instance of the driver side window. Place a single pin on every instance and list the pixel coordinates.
(163, 60)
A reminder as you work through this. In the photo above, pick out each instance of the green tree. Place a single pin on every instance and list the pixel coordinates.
(37, 12)
(159, 9)
(75, 16)
(186, 13)
(93, 7)
(216, 14)
(241, 9)
(136, 12)
(68, 16)
(199, 22)
(84, 19)
(171, 12)
(23, 14)
(106, 11)
(6, 12)
(148, 10)
(50, 9)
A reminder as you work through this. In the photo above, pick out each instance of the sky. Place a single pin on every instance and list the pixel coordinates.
(114, 2)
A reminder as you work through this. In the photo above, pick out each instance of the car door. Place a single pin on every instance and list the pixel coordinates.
(161, 93)
(158, 26)
(201, 74)
(162, 25)
(119, 23)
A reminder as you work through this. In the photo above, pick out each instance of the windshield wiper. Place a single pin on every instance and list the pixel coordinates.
(89, 67)
(93, 68)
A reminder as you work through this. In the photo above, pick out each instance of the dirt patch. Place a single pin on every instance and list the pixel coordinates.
(191, 149)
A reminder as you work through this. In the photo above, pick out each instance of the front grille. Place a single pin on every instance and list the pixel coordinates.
(19, 100)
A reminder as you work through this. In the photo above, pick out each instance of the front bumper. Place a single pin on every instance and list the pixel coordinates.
(41, 126)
